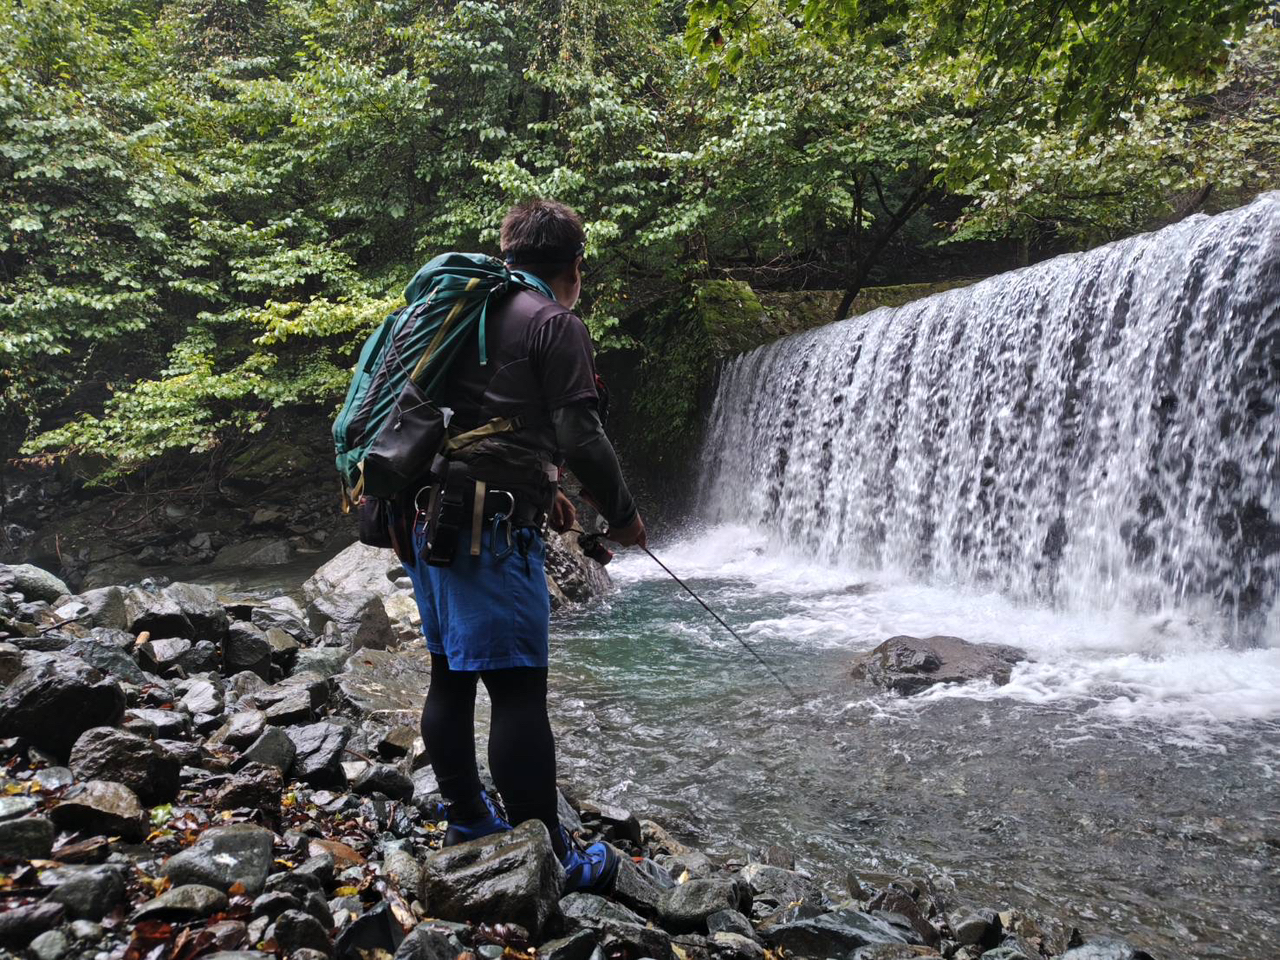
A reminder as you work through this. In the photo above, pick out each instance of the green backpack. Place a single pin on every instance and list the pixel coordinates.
(403, 366)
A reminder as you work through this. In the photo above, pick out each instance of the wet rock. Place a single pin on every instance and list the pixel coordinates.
(53, 778)
(318, 758)
(293, 706)
(358, 618)
(893, 951)
(200, 607)
(255, 787)
(162, 656)
(201, 658)
(87, 892)
(101, 806)
(430, 941)
(618, 822)
(907, 665)
(577, 576)
(384, 779)
(201, 697)
(402, 868)
(13, 807)
(375, 930)
(980, 926)
(20, 925)
(779, 886)
(294, 930)
(238, 955)
(386, 684)
(169, 724)
(240, 852)
(320, 865)
(273, 903)
(686, 907)
(284, 648)
(240, 730)
(28, 838)
(726, 945)
(900, 909)
(635, 890)
(111, 660)
(106, 753)
(514, 876)
(104, 607)
(52, 702)
(589, 909)
(576, 946)
(272, 749)
(37, 584)
(831, 934)
(617, 927)
(245, 647)
(1105, 948)
(189, 902)
(357, 568)
(324, 661)
(50, 945)
(282, 613)
(256, 552)
(731, 921)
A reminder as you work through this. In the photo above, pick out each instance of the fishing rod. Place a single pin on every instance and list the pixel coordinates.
(720, 620)
(592, 547)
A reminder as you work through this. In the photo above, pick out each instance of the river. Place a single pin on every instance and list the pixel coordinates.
(1125, 779)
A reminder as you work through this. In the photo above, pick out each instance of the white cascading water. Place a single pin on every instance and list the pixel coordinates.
(1096, 432)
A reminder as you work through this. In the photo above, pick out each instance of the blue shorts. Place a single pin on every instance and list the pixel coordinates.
(483, 613)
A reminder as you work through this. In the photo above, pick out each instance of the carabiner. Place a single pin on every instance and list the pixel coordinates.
(498, 520)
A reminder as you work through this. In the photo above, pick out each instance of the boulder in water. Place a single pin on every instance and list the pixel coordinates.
(907, 665)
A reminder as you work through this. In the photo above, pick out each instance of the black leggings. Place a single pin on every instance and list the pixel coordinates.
(522, 750)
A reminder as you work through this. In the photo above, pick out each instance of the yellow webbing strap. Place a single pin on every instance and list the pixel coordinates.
(444, 329)
(477, 518)
(493, 427)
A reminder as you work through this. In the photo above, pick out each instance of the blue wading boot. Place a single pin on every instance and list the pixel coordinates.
(587, 869)
(460, 831)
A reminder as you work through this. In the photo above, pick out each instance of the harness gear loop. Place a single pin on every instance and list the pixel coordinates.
(500, 519)
(477, 518)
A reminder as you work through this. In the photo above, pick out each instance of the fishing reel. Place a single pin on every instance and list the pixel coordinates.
(592, 545)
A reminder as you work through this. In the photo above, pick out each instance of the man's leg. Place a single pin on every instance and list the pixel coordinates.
(448, 731)
(522, 749)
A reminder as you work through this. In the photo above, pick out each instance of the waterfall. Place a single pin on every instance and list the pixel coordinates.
(1097, 431)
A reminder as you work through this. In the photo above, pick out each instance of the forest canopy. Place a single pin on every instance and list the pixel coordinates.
(208, 203)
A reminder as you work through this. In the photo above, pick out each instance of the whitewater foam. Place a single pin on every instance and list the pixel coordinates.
(1113, 666)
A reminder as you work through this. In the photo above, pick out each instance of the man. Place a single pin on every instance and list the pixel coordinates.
(486, 616)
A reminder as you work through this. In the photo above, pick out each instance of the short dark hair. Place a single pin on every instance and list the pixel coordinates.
(544, 237)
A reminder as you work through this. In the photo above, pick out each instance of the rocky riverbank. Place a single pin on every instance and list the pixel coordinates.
(189, 775)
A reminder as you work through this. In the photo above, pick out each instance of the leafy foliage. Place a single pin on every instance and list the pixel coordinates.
(208, 203)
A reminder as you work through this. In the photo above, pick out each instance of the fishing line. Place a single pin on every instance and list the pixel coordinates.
(734, 633)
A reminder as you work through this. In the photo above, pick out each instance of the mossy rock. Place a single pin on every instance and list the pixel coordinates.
(731, 314)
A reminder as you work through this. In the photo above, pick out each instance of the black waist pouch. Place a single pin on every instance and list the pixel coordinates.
(410, 439)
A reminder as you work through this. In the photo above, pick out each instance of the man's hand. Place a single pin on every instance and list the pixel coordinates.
(629, 536)
(563, 513)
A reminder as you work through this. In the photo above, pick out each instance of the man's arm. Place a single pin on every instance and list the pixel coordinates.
(564, 361)
(589, 454)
